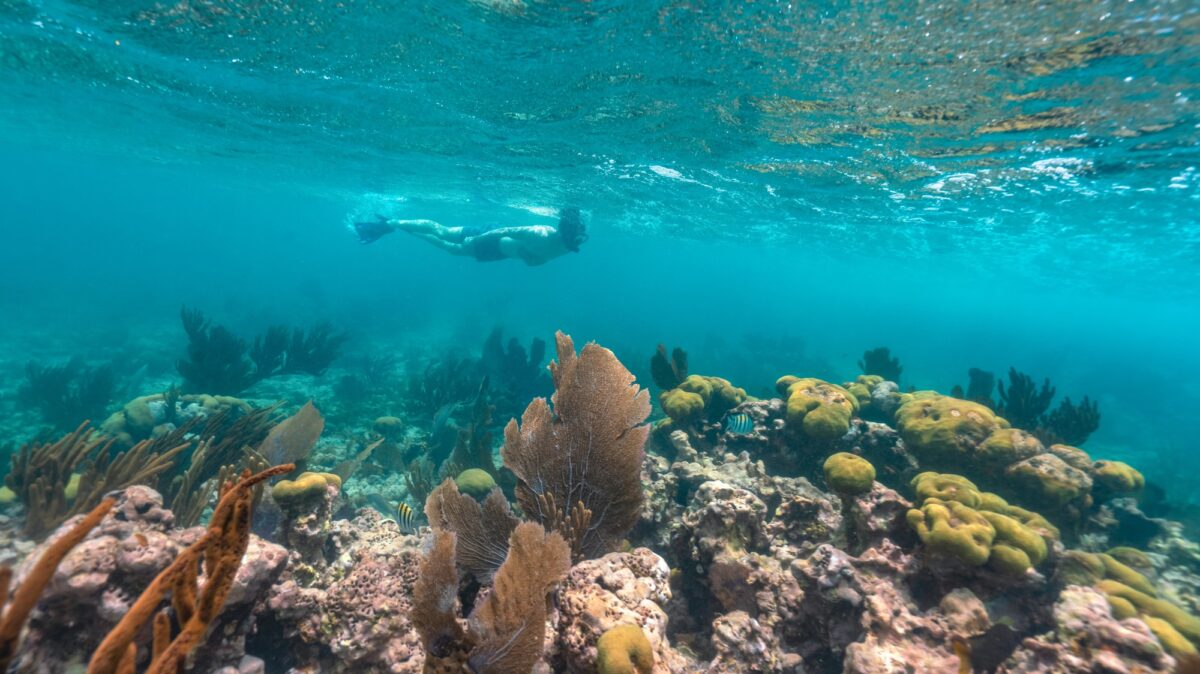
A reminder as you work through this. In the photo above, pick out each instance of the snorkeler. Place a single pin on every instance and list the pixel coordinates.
(534, 244)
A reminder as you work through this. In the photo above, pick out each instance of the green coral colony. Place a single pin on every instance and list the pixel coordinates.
(584, 514)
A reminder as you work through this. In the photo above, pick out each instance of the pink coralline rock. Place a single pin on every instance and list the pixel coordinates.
(722, 517)
(1089, 639)
(305, 525)
(738, 470)
(862, 605)
(366, 615)
(351, 613)
(100, 578)
(804, 519)
(742, 645)
(622, 588)
(660, 507)
(737, 554)
(876, 516)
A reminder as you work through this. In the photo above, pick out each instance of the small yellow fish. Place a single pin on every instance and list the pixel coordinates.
(406, 518)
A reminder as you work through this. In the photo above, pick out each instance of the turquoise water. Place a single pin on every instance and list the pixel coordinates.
(970, 186)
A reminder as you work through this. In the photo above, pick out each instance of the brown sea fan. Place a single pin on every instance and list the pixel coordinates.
(482, 529)
(578, 466)
(509, 627)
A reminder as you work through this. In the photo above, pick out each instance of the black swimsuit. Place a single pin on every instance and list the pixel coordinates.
(484, 250)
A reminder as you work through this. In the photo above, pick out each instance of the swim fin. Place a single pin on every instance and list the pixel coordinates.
(371, 231)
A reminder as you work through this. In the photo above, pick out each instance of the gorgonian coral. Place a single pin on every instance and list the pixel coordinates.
(578, 465)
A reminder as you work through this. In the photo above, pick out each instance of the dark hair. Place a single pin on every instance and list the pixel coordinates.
(571, 229)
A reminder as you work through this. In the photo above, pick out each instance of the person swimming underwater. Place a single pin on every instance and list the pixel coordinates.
(533, 244)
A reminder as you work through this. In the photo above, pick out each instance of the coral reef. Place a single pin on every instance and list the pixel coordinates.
(699, 398)
(850, 528)
(506, 630)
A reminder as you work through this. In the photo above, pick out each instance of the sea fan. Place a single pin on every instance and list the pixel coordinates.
(578, 467)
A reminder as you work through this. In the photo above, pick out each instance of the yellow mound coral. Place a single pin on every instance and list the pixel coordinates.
(476, 482)
(1117, 571)
(624, 649)
(1016, 548)
(1080, 568)
(947, 487)
(389, 427)
(1119, 477)
(861, 387)
(1006, 446)
(1131, 557)
(1049, 481)
(1146, 605)
(953, 530)
(994, 503)
(1072, 456)
(848, 473)
(681, 405)
(698, 396)
(980, 527)
(820, 410)
(1175, 643)
(306, 486)
(941, 428)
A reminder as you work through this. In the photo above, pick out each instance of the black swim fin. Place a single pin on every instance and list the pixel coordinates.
(372, 231)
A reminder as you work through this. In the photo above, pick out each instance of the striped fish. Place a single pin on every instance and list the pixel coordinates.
(406, 517)
(740, 423)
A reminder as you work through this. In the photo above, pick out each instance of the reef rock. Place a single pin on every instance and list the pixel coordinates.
(97, 582)
(1087, 638)
(622, 588)
(351, 614)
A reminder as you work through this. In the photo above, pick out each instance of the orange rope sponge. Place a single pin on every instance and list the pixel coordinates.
(220, 549)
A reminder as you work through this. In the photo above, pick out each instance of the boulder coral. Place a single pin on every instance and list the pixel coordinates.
(1118, 477)
(700, 398)
(305, 488)
(624, 650)
(849, 474)
(956, 521)
(816, 408)
(941, 429)
(475, 482)
(950, 529)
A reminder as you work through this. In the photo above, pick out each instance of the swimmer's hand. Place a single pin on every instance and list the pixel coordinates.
(372, 230)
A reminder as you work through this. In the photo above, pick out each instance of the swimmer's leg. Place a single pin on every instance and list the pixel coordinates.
(449, 239)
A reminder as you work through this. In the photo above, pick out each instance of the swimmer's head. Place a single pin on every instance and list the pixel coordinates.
(571, 229)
